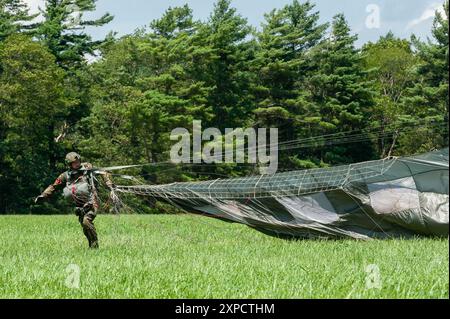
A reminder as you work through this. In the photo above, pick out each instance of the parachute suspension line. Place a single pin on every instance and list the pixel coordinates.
(309, 142)
(299, 195)
(314, 203)
(363, 209)
(95, 198)
(294, 183)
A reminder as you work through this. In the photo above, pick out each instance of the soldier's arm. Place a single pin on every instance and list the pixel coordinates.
(87, 165)
(107, 178)
(57, 185)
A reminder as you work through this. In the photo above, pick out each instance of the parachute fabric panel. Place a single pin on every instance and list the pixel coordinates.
(378, 199)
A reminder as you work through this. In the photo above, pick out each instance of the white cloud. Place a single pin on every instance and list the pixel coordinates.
(427, 14)
(34, 8)
(34, 4)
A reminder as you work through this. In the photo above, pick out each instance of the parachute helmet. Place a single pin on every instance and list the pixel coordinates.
(72, 157)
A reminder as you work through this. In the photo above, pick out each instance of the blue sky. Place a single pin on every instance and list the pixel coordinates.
(403, 17)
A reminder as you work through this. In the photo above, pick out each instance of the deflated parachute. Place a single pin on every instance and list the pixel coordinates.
(392, 197)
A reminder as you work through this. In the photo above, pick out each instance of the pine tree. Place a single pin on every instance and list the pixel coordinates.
(429, 99)
(391, 63)
(227, 71)
(15, 18)
(32, 104)
(174, 21)
(288, 34)
(148, 80)
(341, 92)
(63, 30)
(283, 65)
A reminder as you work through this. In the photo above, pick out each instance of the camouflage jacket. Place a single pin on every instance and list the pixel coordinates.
(73, 176)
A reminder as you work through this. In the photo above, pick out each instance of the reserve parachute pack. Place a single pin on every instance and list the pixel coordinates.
(78, 187)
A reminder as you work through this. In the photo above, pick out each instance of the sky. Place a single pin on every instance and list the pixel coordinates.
(370, 19)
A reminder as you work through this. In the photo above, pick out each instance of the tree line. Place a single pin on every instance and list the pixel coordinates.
(116, 100)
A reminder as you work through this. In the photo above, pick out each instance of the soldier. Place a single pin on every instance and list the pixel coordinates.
(79, 186)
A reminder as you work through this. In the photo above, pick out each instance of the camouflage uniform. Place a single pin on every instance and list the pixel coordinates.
(87, 204)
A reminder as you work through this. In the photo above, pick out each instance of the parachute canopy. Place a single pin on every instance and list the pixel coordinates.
(392, 197)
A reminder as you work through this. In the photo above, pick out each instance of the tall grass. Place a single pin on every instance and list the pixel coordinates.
(186, 256)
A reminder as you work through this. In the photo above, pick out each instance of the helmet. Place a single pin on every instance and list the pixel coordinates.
(72, 157)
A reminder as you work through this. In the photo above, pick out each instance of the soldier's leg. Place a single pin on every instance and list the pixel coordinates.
(89, 229)
(85, 229)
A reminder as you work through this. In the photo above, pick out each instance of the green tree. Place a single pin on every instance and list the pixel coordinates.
(145, 86)
(341, 93)
(174, 21)
(428, 99)
(15, 18)
(32, 105)
(283, 65)
(391, 63)
(63, 30)
(227, 71)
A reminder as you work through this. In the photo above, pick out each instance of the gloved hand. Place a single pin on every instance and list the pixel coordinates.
(79, 211)
(39, 199)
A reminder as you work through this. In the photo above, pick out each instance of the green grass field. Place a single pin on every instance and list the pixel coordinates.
(184, 256)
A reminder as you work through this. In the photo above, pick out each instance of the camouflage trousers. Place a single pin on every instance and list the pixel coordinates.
(86, 216)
